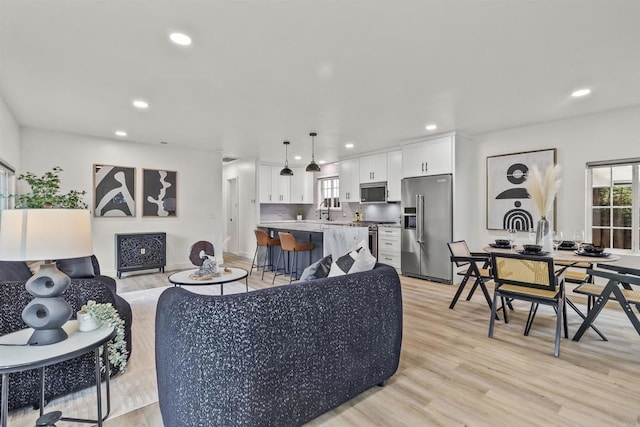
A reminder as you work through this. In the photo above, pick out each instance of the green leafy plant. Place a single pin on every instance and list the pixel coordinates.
(106, 314)
(45, 192)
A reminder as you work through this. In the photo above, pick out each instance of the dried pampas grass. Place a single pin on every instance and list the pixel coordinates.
(543, 190)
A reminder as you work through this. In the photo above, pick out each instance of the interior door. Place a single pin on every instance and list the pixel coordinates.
(233, 217)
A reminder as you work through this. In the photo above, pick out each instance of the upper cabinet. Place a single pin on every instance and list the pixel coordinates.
(301, 186)
(373, 168)
(350, 181)
(394, 175)
(275, 188)
(430, 157)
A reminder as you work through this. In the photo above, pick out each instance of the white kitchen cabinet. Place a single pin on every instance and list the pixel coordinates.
(301, 186)
(350, 181)
(373, 168)
(280, 186)
(264, 184)
(394, 175)
(389, 246)
(274, 188)
(430, 157)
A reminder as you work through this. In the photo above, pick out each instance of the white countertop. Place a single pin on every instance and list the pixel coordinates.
(311, 226)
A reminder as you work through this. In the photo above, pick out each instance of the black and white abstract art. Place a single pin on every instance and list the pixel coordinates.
(114, 190)
(159, 193)
(508, 202)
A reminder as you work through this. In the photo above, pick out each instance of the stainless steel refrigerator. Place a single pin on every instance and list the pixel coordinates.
(427, 226)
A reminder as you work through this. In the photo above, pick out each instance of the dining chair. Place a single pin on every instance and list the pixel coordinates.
(623, 286)
(529, 278)
(462, 257)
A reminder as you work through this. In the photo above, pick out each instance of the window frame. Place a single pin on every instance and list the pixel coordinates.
(635, 200)
(7, 186)
(336, 190)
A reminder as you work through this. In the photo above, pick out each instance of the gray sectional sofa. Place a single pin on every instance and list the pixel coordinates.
(279, 356)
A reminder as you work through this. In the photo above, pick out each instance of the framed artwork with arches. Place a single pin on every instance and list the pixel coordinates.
(508, 202)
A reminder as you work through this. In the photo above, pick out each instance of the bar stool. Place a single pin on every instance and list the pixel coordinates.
(263, 240)
(290, 244)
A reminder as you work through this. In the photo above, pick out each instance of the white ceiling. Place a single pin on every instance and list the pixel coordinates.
(369, 72)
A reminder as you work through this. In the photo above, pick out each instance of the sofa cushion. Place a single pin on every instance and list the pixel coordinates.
(355, 261)
(11, 271)
(318, 270)
(76, 268)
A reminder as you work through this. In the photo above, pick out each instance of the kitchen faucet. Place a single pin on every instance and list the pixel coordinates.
(324, 202)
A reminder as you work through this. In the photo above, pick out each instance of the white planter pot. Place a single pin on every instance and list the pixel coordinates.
(86, 322)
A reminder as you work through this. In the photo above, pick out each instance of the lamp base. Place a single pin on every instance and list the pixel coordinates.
(47, 336)
(48, 311)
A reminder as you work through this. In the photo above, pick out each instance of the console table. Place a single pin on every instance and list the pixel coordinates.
(140, 251)
(17, 356)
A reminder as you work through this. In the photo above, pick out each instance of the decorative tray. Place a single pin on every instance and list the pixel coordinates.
(523, 252)
(593, 254)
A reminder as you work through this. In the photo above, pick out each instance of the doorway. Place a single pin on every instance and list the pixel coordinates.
(233, 219)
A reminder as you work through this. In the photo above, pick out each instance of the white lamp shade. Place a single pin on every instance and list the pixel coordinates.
(45, 234)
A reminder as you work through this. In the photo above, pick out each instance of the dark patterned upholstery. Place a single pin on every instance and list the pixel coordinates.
(69, 376)
(279, 356)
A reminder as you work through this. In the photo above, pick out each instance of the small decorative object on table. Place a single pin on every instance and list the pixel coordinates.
(543, 192)
(207, 270)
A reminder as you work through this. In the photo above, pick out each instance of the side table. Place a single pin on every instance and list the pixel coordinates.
(16, 356)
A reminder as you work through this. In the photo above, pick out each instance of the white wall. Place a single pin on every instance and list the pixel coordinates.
(9, 137)
(604, 136)
(199, 188)
(245, 172)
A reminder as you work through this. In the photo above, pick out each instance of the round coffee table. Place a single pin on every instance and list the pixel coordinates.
(182, 278)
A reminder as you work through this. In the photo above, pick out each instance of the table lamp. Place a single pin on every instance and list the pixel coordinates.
(45, 234)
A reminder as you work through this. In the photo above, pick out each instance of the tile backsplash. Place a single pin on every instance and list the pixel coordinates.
(287, 212)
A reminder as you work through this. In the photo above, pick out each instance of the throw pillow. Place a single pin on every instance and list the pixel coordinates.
(318, 270)
(11, 271)
(76, 268)
(354, 262)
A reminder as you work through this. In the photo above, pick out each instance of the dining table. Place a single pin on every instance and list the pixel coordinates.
(568, 258)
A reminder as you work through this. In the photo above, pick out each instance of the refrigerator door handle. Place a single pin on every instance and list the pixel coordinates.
(419, 213)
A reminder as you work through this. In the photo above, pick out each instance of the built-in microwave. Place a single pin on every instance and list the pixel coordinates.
(375, 192)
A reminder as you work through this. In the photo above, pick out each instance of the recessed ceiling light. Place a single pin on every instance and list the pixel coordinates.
(180, 39)
(431, 127)
(349, 145)
(581, 92)
(139, 103)
(297, 157)
(322, 162)
(121, 133)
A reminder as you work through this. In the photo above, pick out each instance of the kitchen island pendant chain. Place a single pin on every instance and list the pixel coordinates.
(313, 166)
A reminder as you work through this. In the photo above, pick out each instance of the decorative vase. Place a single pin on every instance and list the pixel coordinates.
(543, 235)
(299, 217)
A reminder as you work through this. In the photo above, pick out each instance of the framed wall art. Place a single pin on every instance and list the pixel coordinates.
(114, 191)
(508, 202)
(159, 190)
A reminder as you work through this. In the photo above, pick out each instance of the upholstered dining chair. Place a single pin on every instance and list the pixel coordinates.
(533, 279)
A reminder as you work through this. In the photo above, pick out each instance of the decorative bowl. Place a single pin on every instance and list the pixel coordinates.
(532, 248)
(593, 249)
(503, 242)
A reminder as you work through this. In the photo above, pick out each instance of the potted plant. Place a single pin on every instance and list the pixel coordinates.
(105, 314)
(299, 215)
(45, 192)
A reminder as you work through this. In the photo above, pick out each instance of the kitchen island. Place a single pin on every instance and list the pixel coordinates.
(328, 237)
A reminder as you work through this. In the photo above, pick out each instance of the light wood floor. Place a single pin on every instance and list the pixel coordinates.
(451, 374)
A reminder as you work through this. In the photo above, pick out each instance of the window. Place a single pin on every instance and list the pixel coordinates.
(7, 186)
(329, 193)
(614, 195)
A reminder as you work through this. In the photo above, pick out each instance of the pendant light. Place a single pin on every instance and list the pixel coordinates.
(286, 171)
(313, 166)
